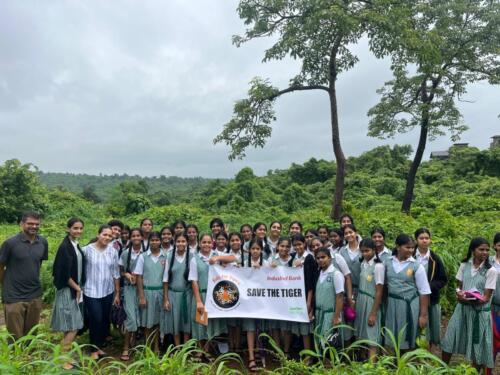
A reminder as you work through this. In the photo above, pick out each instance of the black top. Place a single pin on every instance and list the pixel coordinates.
(436, 274)
(66, 266)
(22, 260)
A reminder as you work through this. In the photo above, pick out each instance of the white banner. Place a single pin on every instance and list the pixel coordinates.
(264, 293)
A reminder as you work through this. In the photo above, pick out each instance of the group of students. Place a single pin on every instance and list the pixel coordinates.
(160, 278)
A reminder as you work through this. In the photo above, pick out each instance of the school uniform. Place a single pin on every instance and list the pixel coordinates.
(180, 295)
(352, 259)
(495, 307)
(151, 268)
(273, 246)
(309, 267)
(274, 324)
(251, 324)
(384, 254)
(469, 330)
(372, 274)
(130, 299)
(168, 250)
(193, 249)
(330, 283)
(198, 271)
(495, 301)
(233, 322)
(69, 263)
(436, 275)
(406, 281)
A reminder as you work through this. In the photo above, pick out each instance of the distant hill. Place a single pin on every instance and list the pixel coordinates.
(103, 185)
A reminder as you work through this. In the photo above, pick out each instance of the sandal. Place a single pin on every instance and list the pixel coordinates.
(125, 357)
(252, 365)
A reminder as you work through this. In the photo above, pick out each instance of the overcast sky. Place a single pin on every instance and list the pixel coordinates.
(143, 87)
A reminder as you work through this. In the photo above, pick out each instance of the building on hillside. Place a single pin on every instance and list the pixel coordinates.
(444, 155)
(440, 155)
(495, 142)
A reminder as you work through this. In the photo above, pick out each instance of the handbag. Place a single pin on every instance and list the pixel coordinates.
(334, 339)
(118, 315)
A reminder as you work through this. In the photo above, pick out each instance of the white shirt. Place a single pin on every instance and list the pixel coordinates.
(272, 245)
(139, 266)
(423, 259)
(423, 286)
(491, 275)
(280, 262)
(179, 259)
(343, 267)
(101, 271)
(133, 257)
(496, 264)
(353, 254)
(335, 250)
(193, 249)
(193, 266)
(338, 279)
(385, 251)
(378, 272)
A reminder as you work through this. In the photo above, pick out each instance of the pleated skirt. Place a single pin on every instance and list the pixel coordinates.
(66, 313)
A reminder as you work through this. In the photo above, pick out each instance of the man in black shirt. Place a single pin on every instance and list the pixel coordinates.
(20, 259)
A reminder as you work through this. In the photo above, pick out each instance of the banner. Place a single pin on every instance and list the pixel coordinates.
(263, 293)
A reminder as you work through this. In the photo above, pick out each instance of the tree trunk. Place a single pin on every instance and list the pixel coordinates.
(410, 181)
(339, 155)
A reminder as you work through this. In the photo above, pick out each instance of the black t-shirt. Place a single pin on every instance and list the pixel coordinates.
(22, 261)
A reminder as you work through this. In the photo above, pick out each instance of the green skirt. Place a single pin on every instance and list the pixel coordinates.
(324, 325)
(364, 305)
(470, 333)
(396, 321)
(301, 329)
(66, 313)
(215, 327)
(434, 324)
(178, 319)
(248, 324)
(150, 315)
(131, 307)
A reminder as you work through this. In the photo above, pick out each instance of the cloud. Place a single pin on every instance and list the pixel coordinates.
(144, 87)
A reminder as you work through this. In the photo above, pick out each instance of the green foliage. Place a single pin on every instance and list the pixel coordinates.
(38, 353)
(20, 190)
(456, 198)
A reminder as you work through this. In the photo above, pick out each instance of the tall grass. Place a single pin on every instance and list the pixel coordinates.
(37, 354)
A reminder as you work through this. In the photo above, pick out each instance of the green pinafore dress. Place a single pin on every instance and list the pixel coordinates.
(495, 301)
(364, 305)
(153, 290)
(299, 328)
(433, 333)
(234, 322)
(215, 326)
(130, 299)
(469, 330)
(67, 311)
(355, 268)
(180, 295)
(325, 301)
(403, 303)
(274, 324)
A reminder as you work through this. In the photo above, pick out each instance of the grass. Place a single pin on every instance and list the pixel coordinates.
(36, 353)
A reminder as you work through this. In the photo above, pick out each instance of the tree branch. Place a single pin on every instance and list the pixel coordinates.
(298, 88)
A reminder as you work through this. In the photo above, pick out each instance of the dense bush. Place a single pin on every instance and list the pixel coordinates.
(456, 198)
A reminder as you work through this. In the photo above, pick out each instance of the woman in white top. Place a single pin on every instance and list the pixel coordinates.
(102, 287)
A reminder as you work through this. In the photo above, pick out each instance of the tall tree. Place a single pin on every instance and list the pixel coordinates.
(316, 32)
(437, 48)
